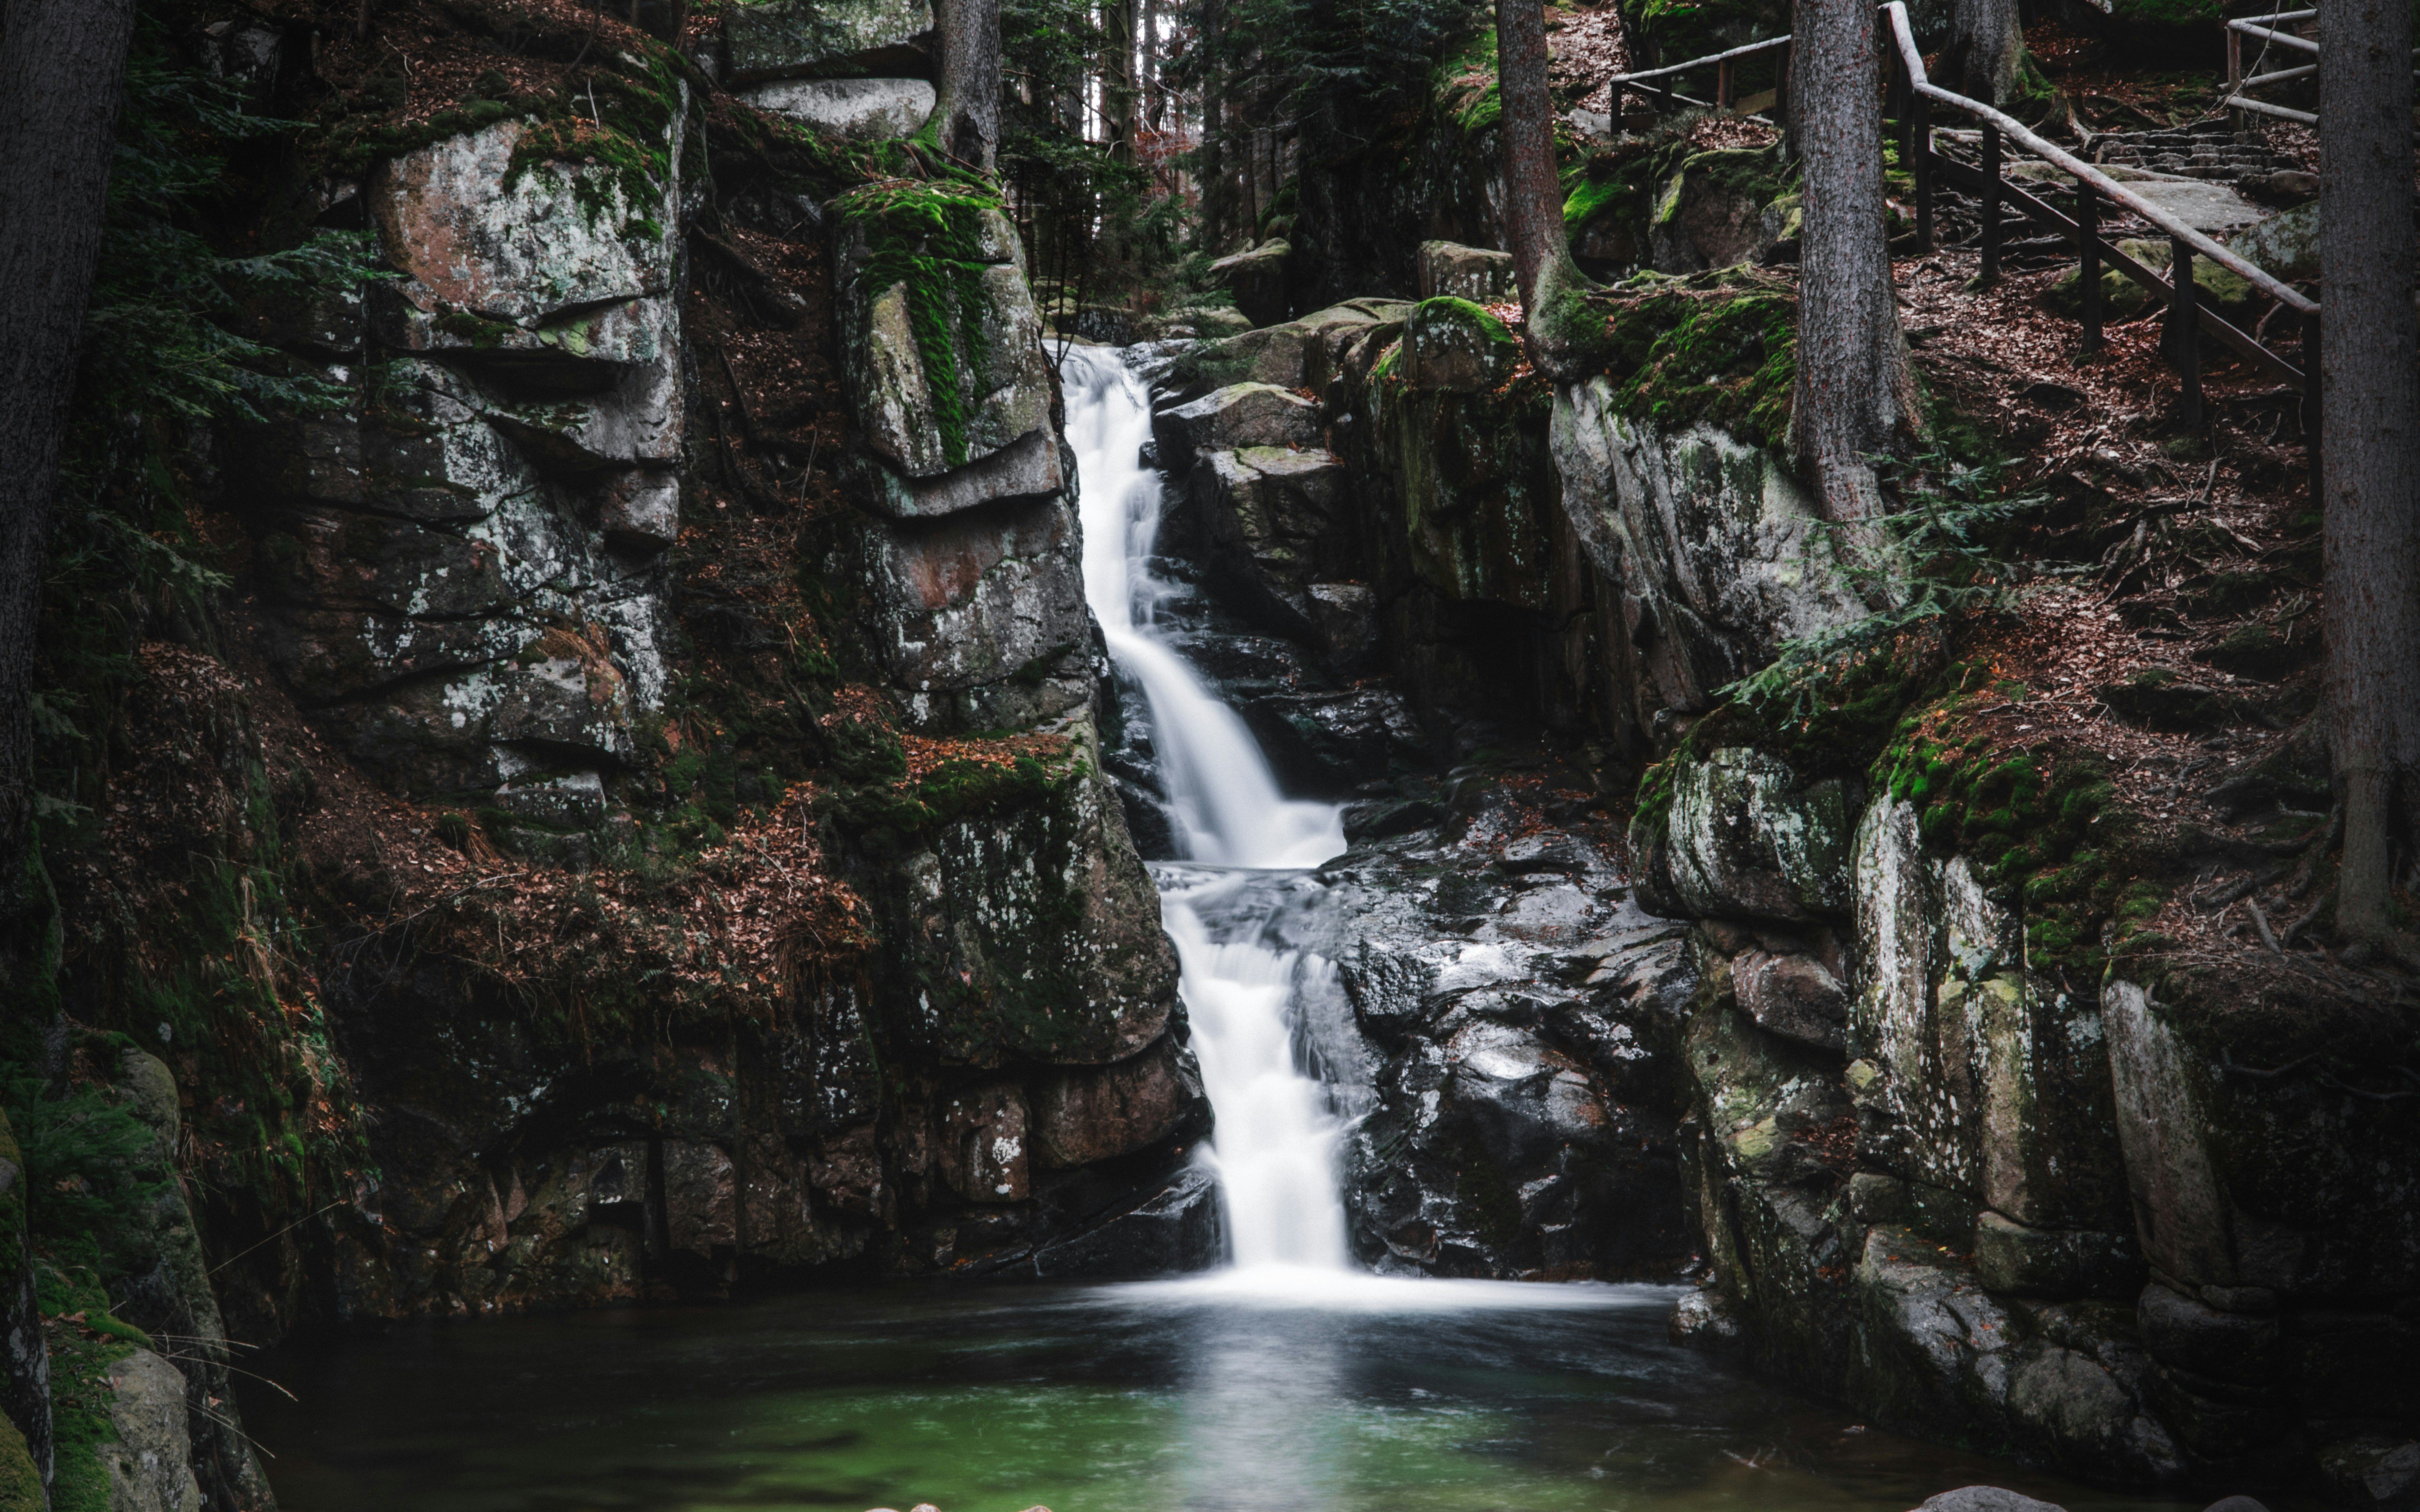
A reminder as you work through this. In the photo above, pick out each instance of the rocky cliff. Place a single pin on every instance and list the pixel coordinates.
(620, 815)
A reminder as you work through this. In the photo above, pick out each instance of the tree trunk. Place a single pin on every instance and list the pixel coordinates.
(1215, 195)
(966, 108)
(1155, 104)
(1856, 393)
(2369, 404)
(1556, 325)
(1118, 93)
(1987, 43)
(62, 71)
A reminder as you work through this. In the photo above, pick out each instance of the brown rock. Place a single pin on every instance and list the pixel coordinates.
(1090, 1115)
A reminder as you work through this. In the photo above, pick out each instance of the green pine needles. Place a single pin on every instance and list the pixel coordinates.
(929, 237)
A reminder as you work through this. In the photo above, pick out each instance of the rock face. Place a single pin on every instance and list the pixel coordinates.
(1258, 279)
(148, 1466)
(1448, 269)
(867, 110)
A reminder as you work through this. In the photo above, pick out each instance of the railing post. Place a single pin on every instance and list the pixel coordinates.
(2088, 232)
(2181, 338)
(2234, 74)
(2311, 383)
(1613, 105)
(1991, 203)
(1920, 110)
(1723, 95)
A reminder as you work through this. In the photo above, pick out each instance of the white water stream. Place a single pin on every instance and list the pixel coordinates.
(1276, 1143)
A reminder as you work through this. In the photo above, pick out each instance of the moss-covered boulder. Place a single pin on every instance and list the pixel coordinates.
(1454, 345)
(1258, 280)
(941, 342)
(1450, 270)
(769, 38)
(2222, 289)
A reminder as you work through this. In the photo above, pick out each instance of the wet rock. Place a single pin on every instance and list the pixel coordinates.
(2374, 1471)
(1343, 625)
(1706, 1320)
(1748, 839)
(1793, 997)
(1449, 269)
(1329, 741)
(1083, 1116)
(148, 1467)
(1379, 818)
(2187, 1334)
(1258, 280)
(1177, 1231)
(863, 110)
(1309, 351)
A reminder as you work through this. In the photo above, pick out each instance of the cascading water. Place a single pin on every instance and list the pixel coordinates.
(1277, 1131)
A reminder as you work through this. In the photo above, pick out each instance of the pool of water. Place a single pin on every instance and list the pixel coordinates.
(1145, 1397)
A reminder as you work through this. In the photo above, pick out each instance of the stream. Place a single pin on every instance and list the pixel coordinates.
(1287, 1379)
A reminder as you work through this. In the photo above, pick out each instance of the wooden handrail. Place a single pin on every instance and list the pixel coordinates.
(1766, 46)
(2201, 245)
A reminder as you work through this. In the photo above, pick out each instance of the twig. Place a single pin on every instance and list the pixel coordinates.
(2268, 935)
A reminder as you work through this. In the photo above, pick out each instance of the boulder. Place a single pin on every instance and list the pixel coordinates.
(1749, 840)
(1275, 520)
(1792, 996)
(150, 1467)
(863, 109)
(456, 215)
(913, 258)
(1031, 467)
(423, 452)
(701, 1198)
(765, 38)
(1241, 414)
(640, 509)
(1455, 345)
(1257, 279)
(1329, 742)
(326, 654)
(1028, 934)
(331, 559)
(2016, 1261)
(1983, 1080)
(978, 618)
(1984, 1499)
(1712, 545)
(1177, 1229)
(1718, 209)
(1094, 1113)
(1450, 270)
(1343, 627)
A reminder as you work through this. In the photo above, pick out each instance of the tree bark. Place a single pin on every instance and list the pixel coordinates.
(966, 107)
(1554, 324)
(62, 73)
(1856, 393)
(2369, 406)
(1215, 195)
(1987, 43)
(1118, 92)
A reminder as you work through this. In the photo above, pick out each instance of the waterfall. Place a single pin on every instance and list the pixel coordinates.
(1277, 1134)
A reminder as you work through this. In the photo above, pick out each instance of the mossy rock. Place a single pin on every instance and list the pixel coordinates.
(1452, 344)
(2261, 649)
(2227, 292)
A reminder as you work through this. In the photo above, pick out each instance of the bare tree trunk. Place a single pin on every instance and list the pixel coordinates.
(1556, 325)
(1155, 99)
(1987, 43)
(965, 110)
(1215, 196)
(62, 73)
(2369, 404)
(1118, 93)
(1856, 392)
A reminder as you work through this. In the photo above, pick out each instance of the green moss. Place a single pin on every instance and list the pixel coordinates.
(21, 1479)
(1718, 347)
(81, 1395)
(928, 236)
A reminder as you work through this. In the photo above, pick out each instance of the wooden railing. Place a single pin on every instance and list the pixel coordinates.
(2238, 88)
(1912, 98)
(1725, 95)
